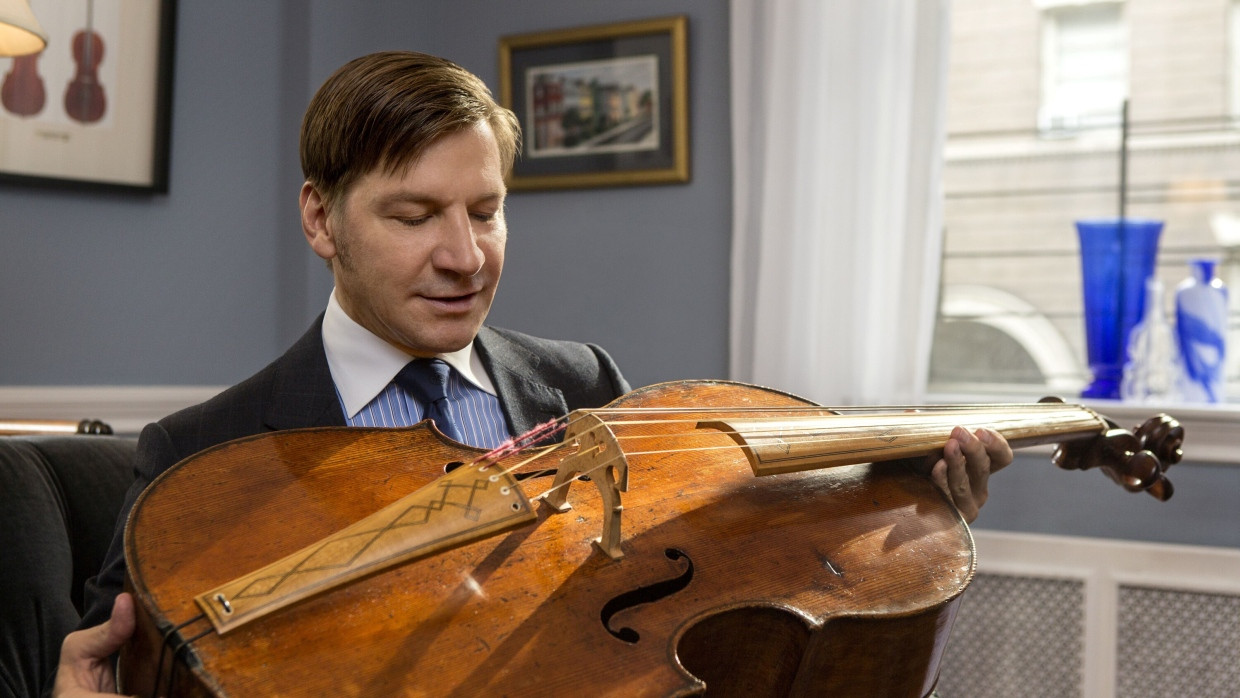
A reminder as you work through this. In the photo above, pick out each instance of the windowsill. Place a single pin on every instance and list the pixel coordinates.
(1209, 430)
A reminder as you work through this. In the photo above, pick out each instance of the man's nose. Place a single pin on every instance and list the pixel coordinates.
(458, 249)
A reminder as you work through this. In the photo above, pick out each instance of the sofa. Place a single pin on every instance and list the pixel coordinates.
(60, 497)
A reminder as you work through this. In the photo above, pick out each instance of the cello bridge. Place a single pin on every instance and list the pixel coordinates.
(598, 455)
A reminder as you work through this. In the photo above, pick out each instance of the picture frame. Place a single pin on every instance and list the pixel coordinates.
(599, 106)
(93, 109)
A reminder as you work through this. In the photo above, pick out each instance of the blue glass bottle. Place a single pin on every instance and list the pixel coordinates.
(1201, 325)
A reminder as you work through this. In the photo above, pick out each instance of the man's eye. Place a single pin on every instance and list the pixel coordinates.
(415, 221)
(484, 216)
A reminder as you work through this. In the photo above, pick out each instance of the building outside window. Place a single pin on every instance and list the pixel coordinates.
(1033, 144)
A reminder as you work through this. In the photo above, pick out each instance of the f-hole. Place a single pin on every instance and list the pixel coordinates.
(647, 594)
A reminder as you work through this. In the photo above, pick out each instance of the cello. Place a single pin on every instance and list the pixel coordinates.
(650, 561)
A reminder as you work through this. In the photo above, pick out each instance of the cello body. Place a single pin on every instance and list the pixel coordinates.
(842, 581)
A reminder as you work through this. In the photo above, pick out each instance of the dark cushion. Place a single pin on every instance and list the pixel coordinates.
(59, 500)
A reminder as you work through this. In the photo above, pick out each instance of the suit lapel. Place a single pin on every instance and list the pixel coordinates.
(526, 399)
(303, 394)
(302, 391)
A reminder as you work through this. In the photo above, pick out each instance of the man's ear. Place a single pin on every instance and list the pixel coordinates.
(315, 222)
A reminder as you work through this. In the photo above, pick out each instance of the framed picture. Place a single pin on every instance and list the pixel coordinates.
(92, 110)
(599, 106)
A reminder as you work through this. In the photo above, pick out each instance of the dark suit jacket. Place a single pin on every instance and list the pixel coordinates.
(535, 379)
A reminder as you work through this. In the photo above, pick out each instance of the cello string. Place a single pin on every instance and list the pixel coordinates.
(164, 644)
(817, 425)
(172, 671)
(825, 434)
(1002, 406)
(618, 458)
(824, 431)
(518, 444)
(577, 476)
(545, 451)
(562, 423)
(813, 423)
(819, 434)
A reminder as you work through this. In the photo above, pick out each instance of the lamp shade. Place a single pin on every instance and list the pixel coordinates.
(20, 32)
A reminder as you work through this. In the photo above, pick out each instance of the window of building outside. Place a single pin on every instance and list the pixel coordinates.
(1233, 59)
(1084, 65)
(1034, 134)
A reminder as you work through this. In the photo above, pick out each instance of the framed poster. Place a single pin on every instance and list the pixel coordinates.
(599, 106)
(92, 110)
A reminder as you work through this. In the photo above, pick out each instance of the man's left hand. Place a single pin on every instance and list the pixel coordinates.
(965, 465)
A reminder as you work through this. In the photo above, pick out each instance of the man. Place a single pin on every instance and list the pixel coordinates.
(404, 157)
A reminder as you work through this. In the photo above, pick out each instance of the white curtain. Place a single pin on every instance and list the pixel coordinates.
(837, 131)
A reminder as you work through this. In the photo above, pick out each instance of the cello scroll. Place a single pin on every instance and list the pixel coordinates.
(1137, 460)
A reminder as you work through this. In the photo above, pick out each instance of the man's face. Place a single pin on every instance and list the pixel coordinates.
(417, 255)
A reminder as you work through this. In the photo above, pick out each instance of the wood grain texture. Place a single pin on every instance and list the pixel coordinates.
(863, 557)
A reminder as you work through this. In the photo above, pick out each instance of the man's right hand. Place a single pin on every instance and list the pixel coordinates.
(85, 656)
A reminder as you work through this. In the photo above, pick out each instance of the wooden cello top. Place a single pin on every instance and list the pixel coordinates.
(541, 608)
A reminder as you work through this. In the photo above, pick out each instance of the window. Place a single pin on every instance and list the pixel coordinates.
(1233, 62)
(1034, 143)
(1084, 66)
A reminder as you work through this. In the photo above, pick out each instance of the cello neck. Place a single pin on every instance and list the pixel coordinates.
(791, 444)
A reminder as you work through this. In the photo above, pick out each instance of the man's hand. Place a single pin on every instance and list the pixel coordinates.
(965, 465)
(85, 666)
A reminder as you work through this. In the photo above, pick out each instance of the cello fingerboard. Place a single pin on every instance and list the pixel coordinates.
(788, 445)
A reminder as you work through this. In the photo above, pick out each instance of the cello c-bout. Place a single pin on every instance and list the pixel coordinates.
(841, 581)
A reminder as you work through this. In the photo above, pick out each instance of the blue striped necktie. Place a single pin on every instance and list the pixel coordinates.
(427, 381)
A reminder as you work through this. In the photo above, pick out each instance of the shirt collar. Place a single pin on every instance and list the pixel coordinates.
(362, 365)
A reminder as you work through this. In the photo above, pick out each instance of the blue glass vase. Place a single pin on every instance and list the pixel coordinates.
(1117, 256)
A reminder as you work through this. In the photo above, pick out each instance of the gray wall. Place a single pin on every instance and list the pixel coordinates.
(203, 286)
(109, 289)
(1035, 496)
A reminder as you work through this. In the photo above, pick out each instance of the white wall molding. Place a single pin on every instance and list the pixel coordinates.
(127, 408)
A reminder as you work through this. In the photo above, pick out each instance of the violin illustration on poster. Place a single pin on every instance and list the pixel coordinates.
(73, 58)
(23, 92)
(92, 106)
(84, 98)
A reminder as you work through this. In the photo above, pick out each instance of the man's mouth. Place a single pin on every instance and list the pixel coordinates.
(452, 302)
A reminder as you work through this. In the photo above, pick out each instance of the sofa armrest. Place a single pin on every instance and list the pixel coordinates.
(59, 501)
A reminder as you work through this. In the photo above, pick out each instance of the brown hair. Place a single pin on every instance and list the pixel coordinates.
(385, 110)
